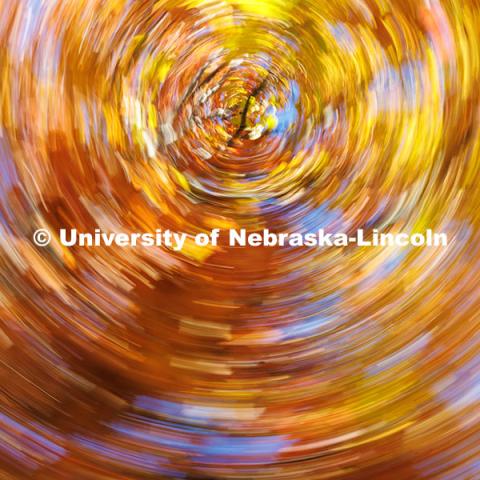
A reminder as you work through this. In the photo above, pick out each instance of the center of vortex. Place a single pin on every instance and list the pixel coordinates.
(248, 117)
(237, 122)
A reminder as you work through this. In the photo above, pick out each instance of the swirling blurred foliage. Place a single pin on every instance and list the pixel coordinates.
(231, 363)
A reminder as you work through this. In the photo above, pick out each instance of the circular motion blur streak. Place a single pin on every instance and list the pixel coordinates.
(239, 363)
